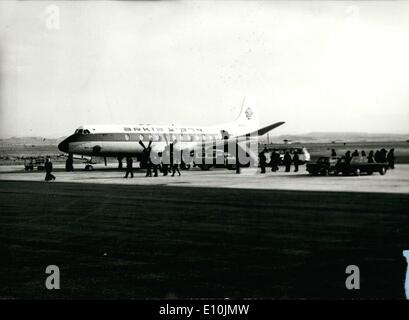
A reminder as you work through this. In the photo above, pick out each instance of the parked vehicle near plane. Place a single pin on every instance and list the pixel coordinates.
(214, 159)
(357, 166)
(323, 166)
(335, 165)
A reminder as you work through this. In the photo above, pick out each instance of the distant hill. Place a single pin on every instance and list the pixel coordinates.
(340, 137)
(30, 141)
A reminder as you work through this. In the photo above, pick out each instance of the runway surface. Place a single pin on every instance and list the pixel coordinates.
(138, 241)
(395, 181)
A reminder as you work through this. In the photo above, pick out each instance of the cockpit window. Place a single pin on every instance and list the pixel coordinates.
(86, 131)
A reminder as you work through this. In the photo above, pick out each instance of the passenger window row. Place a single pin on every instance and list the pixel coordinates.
(178, 137)
(165, 137)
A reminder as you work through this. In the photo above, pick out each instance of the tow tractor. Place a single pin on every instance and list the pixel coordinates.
(34, 162)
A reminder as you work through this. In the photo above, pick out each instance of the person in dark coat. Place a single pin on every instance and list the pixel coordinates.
(120, 162)
(274, 160)
(348, 157)
(370, 157)
(129, 167)
(377, 156)
(382, 155)
(333, 153)
(48, 169)
(355, 153)
(262, 160)
(296, 161)
(391, 158)
(69, 163)
(287, 161)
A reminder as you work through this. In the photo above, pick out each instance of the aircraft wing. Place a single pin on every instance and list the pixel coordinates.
(266, 129)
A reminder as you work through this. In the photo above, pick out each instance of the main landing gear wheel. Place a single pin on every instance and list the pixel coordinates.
(89, 167)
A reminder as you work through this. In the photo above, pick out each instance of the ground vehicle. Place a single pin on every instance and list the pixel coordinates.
(31, 163)
(323, 166)
(357, 166)
(218, 159)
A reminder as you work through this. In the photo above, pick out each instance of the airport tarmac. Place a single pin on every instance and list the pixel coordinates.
(394, 181)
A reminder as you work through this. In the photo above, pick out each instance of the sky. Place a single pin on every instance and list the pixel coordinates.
(320, 66)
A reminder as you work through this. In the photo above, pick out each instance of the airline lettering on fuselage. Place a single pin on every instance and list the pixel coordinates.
(169, 129)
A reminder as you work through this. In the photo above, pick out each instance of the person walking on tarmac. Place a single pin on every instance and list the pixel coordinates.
(262, 160)
(391, 158)
(287, 161)
(48, 169)
(129, 167)
(296, 161)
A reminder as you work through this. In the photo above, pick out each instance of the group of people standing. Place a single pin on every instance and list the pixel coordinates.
(168, 162)
(379, 156)
(275, 160)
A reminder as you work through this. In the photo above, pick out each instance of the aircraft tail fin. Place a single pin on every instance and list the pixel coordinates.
(248, 115)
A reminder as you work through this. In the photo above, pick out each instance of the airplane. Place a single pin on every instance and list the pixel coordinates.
(121, 141)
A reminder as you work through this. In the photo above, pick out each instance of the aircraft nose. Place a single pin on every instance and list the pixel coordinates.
(63, 146)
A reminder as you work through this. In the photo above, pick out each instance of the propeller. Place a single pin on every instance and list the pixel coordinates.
(146, 150)
(143, 145)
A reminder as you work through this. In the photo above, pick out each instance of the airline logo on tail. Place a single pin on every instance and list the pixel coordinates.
(249, 113)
